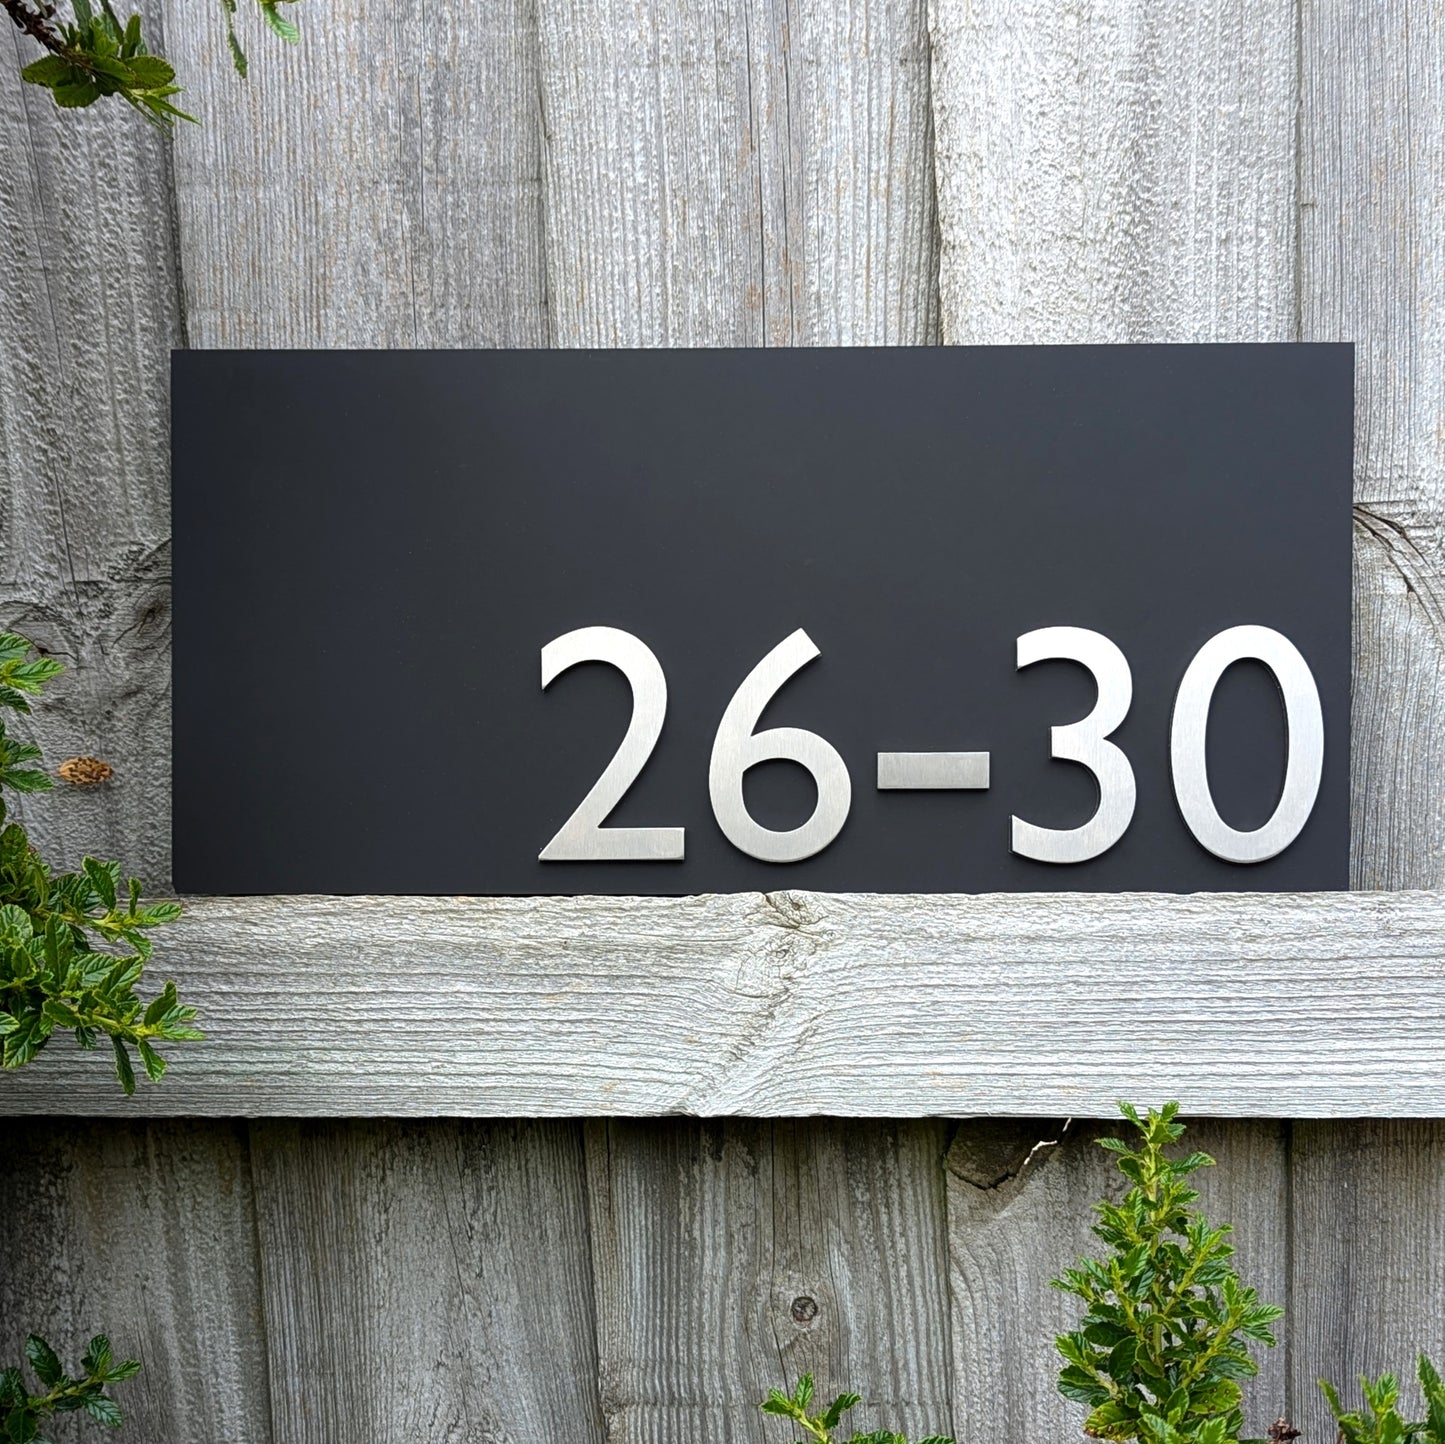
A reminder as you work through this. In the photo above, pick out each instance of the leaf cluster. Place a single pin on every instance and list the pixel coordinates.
(1167, 1323)
(97, 57)
(22, 1413)
(822, 1428)
(1382, 1423)
(74, 945)
(94, 55)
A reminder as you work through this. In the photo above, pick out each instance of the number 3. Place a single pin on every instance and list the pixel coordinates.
(1085, 742)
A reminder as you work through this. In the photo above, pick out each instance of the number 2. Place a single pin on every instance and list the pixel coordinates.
(582, 838)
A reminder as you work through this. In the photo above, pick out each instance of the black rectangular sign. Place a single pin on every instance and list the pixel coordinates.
(922, 620)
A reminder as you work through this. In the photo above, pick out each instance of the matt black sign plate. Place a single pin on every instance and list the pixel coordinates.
(372, 551)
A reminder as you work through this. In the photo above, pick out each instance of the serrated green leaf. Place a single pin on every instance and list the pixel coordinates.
(25, 779)
(283, 27)
(74, 97)
(104, 1410)
(160, 1005)
(49, 70)
(103, 878)
(155, 1065)
(150, 72)
(43, 1360)
(123, 1070)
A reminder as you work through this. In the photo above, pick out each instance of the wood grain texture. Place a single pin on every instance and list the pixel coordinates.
(1115, 172)
(1368, 1232)
(751, 1004)
(746, 174)
(88, 313)
(426, 1282)
(145, 1232)
(733, 1256)
(757, 173)
(1372, 271)
(381, 190)
(1020, 1198)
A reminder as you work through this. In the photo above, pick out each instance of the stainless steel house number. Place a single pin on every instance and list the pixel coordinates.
(739, 746)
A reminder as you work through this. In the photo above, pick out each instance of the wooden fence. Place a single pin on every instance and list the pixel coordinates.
(755, 172)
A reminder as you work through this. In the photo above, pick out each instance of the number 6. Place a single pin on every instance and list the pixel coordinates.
(737, 747)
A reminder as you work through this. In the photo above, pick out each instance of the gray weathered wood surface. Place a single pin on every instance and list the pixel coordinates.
(760, 172)
(742, 1004)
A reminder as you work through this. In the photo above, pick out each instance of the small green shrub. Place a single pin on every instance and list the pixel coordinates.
(73, 945)
(822, 1428)
(1167, 1323)
(22, 1413)
(1383, 1424)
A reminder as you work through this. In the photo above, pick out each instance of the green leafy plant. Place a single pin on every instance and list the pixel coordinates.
(822, 1428)
(1167, 1323)
(93, 54)
(22, 1413)
(1383, 1423)
(73, 946)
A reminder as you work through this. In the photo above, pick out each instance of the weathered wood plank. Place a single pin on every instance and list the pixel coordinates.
(752, 173)
(1372, 270)
(751, 1004)
(1115, 172)
(1020, 1199)
(390, 196)
(88, 313)
(732, 1257)
(1368, 1235)
(145, 1232)
(745, 174)
(449, 1258)
(1369, 1199)
(1119, 173)
(376, 194)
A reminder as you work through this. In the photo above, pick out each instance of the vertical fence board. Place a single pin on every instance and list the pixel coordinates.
(1020, 1202)
(1369, 1234)
(1369, 1198)
(1115, 172)
(1373, 272)
(745, 174)
(88, 313)
(388, 194)
(757, 173)
(426, 1281)
(376, 190)
(145, 1232)
(733, 1256)
(1106, 173)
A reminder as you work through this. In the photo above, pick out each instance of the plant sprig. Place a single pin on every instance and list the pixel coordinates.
(73, 946)
(94, 54)
(821, 1428)
(22, 1413)
(1383, 1423)
(1167, 1324)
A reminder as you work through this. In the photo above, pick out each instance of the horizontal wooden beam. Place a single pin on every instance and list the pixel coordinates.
(792, 1003)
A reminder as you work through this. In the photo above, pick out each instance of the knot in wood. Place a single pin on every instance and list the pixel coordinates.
(804, 1309)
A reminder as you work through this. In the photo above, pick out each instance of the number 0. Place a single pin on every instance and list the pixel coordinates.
(1304, 763)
